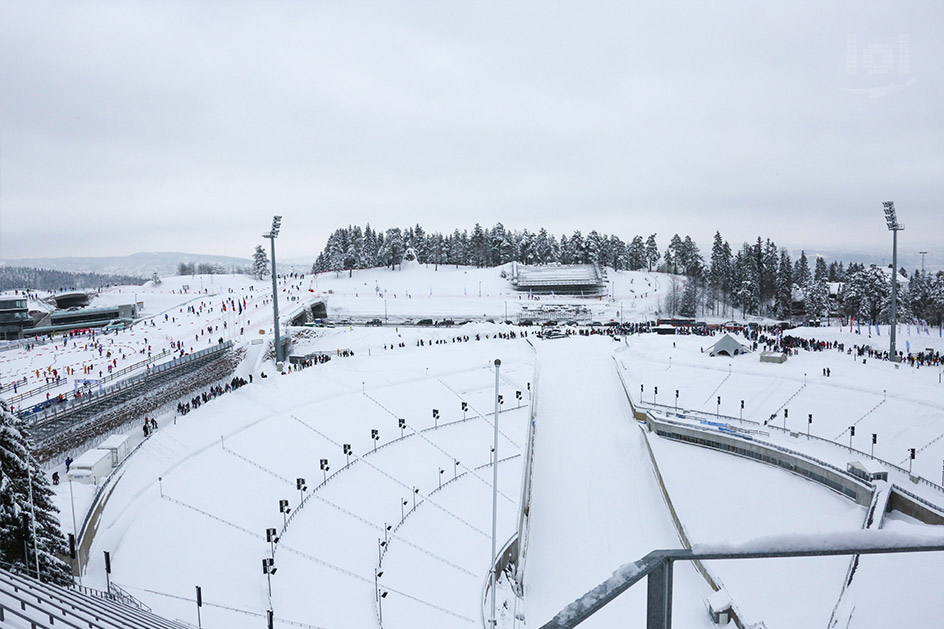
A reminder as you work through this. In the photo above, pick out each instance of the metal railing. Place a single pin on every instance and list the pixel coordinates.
(658, 567)
(92, 398)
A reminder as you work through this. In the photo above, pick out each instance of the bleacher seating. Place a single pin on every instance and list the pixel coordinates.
(574, 279)
(31, 604)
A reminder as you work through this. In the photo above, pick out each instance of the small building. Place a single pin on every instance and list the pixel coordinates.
(664, 328)
(118, 445)
(867, 470)
(727, 345)
(91, 467)
(773, 357)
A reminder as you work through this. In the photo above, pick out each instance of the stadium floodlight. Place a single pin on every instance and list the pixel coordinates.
(891, 219)
(272, 235)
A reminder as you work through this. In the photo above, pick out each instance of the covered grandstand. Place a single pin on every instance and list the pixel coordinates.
(567, 279)
(82, 318)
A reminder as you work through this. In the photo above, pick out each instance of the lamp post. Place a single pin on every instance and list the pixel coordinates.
(491, 559)
(922, 253)
(272, 235)
(891, 219)
(874, 441)
(851, 435)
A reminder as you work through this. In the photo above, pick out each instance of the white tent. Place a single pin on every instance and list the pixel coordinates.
(727, 345)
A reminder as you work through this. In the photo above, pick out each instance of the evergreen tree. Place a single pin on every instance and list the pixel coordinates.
(652, 251)
(637, 254)
(801, 270)
(816, 299)
(689, 258)
(594, 248)
(566, 250)
(865, 294)
(260, 263)
(578, 248)
(479, 247)
(784, 298)
(21, 476)
(392, 249)
(672, 253)
(543, 251)
(420, 244)
(720, 272)
(820, 271)
(689, 301)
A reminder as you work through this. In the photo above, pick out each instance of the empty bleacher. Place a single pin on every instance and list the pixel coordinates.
(31, 604)
(572, 279)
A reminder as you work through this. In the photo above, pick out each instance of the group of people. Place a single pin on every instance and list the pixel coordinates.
(150, 425)
(211, 393)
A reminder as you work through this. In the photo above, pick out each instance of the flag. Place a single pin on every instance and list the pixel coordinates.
(908, 346)
(858, 327)
(870, 328)
(878, 330)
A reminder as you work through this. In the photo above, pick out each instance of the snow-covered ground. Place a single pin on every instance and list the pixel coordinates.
(224, 467)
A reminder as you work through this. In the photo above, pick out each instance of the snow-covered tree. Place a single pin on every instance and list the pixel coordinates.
(816, 299)
(865, 294)
(260, 263)
(801, 270)
(652, 251)
(22, 479)
(783, 306)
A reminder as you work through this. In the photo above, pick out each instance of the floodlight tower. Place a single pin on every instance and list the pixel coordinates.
(272, 235)
(891, 220)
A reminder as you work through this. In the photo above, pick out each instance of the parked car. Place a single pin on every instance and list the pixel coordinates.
(375, 323)
(445, 323)
(425, 322)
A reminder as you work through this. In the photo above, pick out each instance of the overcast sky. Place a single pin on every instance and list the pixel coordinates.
(164, 126)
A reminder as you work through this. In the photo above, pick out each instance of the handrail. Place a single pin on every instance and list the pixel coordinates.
(658, 564)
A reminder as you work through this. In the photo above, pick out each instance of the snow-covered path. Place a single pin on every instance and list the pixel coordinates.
(595, 502)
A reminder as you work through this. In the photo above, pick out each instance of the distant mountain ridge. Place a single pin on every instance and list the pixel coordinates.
(140, 264)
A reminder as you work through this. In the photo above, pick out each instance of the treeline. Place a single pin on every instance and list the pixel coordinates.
(25, 277)
(759, 278)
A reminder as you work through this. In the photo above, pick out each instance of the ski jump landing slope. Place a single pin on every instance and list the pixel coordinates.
(595, 501)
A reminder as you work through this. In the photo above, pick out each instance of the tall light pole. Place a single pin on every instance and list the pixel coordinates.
(494, 501)
(894, 227)
(272, 235)
(922, 253)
